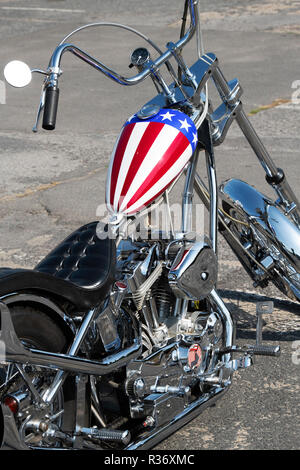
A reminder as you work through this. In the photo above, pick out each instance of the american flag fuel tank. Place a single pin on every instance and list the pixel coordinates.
(149, 154)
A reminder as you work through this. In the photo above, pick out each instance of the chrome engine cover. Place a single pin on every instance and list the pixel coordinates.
(193, 274)
(276, 235)
(160, 384)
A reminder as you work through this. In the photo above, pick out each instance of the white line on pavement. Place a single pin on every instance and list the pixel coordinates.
(59, 10)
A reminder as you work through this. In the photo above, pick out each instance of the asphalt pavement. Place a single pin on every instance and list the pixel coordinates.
(52, 182)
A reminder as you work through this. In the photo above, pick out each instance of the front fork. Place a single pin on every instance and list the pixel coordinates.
(274, 176)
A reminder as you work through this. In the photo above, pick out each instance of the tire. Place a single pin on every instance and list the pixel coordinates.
(38, 330)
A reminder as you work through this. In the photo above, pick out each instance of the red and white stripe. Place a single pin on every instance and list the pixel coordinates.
(147, 157)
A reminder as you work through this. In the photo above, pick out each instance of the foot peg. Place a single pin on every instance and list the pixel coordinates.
(253, 350)
(261, 350)
(106, 435)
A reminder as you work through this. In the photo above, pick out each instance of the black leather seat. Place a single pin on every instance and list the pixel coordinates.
(80, 269)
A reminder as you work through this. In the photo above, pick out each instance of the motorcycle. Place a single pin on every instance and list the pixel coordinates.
(118, 337)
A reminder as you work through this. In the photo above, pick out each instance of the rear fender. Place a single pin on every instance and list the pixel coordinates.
(47, 306)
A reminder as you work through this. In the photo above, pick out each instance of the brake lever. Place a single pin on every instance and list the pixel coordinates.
(40, 108)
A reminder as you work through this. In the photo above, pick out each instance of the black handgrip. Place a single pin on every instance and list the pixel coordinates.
(50, 108)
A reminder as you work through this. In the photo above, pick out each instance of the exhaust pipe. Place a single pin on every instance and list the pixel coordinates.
(15, 352)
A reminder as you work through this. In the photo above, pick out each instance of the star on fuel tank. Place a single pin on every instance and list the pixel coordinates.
(185, 125)
(168, 116)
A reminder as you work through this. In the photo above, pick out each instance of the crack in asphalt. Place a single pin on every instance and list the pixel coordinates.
(274, 104)
(46, 186)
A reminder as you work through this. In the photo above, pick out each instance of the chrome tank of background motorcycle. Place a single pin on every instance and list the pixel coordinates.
(266, 233)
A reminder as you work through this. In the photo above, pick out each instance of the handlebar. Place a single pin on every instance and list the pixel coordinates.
(51, 85)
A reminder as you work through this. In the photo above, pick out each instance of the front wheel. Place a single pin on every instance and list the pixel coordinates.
(39, 331)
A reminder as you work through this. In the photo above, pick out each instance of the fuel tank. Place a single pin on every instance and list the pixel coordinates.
(148, 156)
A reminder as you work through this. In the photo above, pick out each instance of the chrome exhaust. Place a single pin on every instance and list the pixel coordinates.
(15, 352)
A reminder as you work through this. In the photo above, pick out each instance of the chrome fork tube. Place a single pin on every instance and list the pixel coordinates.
(274, 176)
(61, 375)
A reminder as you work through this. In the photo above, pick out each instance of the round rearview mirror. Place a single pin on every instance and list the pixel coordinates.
(17, 74)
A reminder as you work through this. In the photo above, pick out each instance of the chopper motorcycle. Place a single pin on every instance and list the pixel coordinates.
(116, 339)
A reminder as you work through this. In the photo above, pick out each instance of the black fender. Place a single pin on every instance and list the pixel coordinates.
(46, 305)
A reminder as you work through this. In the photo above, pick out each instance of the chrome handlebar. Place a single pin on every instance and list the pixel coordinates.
(55, 61)
(50, 88)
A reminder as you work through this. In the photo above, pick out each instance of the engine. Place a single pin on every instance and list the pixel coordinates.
(179, 345)
(171, 376)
